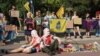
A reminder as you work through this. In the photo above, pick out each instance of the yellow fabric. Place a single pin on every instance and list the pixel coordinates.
(60, 12)
(26, 5)
(58, 25)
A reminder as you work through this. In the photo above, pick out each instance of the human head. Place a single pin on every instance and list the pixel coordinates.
(13, 7)
(29, 14)
(87, 15)
(75, 13)
(34, 33)
(38, 13)
(46, 31)
(99, 16)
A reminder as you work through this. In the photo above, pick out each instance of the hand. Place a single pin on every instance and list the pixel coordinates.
(25, 27)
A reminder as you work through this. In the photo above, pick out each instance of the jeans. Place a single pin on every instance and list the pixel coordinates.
(10, 35)
(98, 32)
(1, 35)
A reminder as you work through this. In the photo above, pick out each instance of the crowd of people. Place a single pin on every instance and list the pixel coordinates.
(37, 31)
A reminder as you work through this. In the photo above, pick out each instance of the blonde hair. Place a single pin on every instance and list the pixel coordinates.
(29, 14)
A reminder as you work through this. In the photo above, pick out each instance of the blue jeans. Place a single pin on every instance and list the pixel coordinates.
(10, 35)
(98, 32)
(1, 35)
(68, 30)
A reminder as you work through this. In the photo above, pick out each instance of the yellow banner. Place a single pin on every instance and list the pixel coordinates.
(58, 25)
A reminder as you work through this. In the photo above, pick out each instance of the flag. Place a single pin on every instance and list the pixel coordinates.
(26, 5)
(60, 12)
(58, 25)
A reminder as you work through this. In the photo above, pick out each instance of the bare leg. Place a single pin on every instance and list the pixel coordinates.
(27, 50)
(29, 39)
(26, 38)
(78, 30)
(74, 31)
(17, 50)
(88, 34)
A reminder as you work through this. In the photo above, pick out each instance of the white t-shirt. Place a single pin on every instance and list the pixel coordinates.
(47, 17)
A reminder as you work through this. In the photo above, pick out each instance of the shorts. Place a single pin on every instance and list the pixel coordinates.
(33, 50)
(75, 25)
(68, 30)
(14, 21)
(28, 32)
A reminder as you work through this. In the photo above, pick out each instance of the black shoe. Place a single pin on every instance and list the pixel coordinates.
(81, 37)
(75, 37)
(4, 51)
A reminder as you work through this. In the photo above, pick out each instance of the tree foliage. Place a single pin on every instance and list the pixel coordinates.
(81, 6)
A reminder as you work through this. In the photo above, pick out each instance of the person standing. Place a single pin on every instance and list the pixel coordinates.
(88, 25)
(38, 21)
(29, 26)
(98, 27)
(68, 30)
(76, 26)
(46, 20)
(1, 27)
(53, 16)
(13, 19)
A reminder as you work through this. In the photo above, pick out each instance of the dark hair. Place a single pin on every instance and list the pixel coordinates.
(14, 6)
(0, 10)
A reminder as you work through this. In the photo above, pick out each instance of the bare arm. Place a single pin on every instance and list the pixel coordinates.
(37, 41)
(59, 40)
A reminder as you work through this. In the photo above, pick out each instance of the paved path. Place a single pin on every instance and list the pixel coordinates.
(20, 40)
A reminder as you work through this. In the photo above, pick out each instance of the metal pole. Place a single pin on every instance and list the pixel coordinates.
(32, 6)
